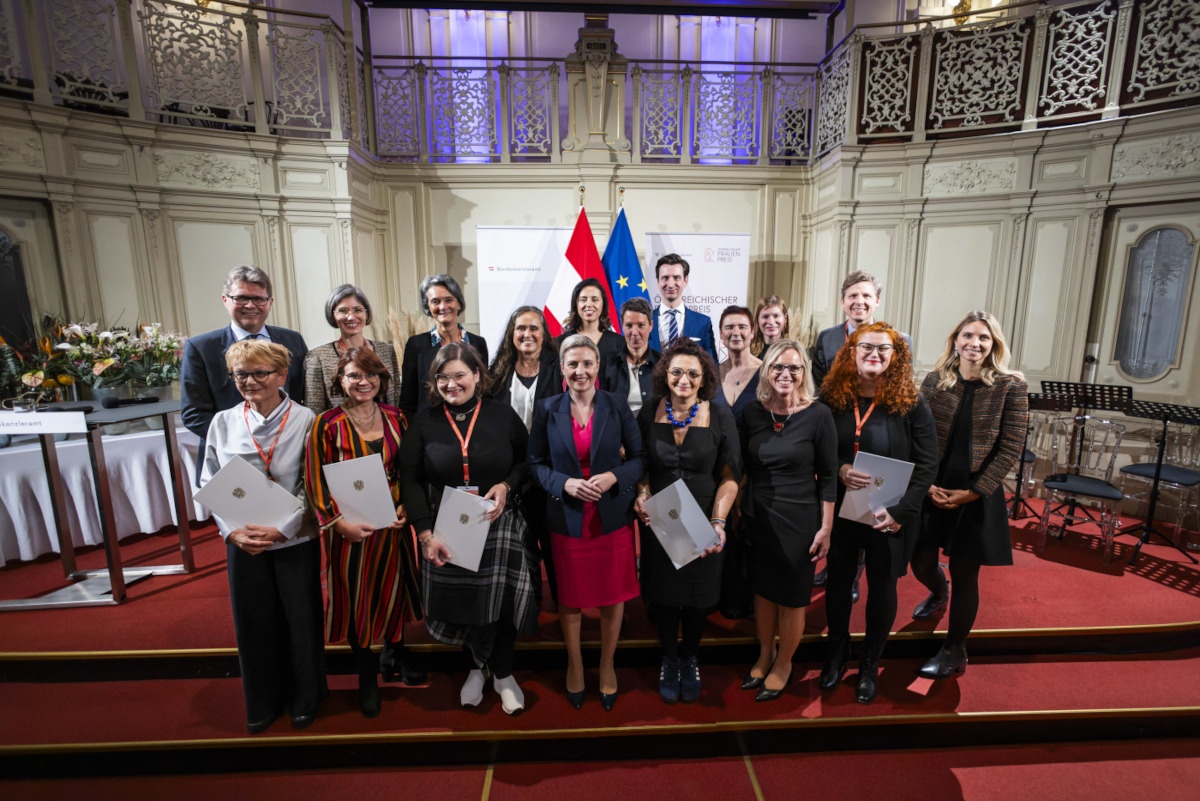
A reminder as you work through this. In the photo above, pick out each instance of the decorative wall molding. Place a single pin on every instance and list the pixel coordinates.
(112, 161)
(970, 177)
(273, 239)
(22, 150)
(347, 234)
(206, 169)
(1018, 241)
(880, 183)
(1167, 157)
(1093, 235)
(65, 213)
(1061, 170)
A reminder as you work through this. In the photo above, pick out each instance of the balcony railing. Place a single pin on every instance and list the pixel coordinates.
(243, 68)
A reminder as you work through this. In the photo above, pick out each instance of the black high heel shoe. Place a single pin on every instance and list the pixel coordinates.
(608, 700)
(868, 682)
(765, 694)
(752, 682)
(945, 663)
(835, 666)
(575, 699)
(396, 661)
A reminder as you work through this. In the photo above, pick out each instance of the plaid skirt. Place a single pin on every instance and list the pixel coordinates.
(461, 606)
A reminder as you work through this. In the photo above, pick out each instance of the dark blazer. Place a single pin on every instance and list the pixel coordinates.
(550, 381)
(610, 342)
(205, 385)
(697, 326)
(911, 438)
(553, 459)
(419, 353)
(829, 342)
(614, 374)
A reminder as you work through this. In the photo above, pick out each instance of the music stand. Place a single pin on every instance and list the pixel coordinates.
(1167, 413)
(1040, 402)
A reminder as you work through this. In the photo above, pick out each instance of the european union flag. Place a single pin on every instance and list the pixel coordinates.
(622, 268)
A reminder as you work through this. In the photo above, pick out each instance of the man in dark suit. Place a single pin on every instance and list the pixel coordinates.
(206, 385)
(861, 294)
(672, 319)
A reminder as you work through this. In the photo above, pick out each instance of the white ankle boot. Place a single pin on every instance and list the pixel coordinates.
(511, 697)
(472, 689)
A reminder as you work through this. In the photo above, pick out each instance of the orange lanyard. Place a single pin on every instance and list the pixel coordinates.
(860, 421)
(464, 442)
(266, 457)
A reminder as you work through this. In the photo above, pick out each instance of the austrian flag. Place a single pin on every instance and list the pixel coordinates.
(581, 261)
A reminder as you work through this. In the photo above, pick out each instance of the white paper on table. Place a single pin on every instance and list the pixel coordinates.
(360, 489)
(462, 525)
(681, 526)
(889, 482)
(241, 495)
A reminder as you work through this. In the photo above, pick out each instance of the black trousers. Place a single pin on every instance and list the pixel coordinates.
(276, 597)
(848, 537)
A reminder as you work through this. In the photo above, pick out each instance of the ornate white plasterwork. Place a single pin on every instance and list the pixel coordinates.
(22, 149)
(1165, 157)
(969, 177)
(206, 169)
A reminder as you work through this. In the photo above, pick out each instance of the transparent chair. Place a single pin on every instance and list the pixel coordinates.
(1082, 457)
(1180, 474)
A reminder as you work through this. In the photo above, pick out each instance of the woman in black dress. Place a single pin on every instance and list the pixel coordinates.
(466, 441)
(790, 453)
(981, 408)
(876, 409)
(685, 437)
(590, 316)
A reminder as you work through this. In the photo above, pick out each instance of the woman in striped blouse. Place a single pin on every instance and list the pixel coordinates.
(372, 577)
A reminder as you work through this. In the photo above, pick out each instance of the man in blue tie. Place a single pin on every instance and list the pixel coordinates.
(205, 385)
(672, 319)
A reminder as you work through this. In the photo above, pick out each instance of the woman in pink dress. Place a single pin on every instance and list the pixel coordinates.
(586, 452)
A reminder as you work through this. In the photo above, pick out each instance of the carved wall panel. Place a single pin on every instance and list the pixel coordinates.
(791, 115)
(833, 101)
(659, 102)
(21, 150)
(396, 104)
(10, 54)
(1166, 58)
(1079, 41)
(887, 99)
(1157, 158)
(84, 56)
(463, 112)
(296, 68)
(726, 114)
(530, 110)
(205, 169)
(970, 177)
(977, 74)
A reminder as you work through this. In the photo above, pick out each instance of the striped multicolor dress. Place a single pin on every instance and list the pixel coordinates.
(372, 585)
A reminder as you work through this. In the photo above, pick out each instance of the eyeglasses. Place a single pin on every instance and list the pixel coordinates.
(259, 376)
(355, 378)
(242, 300)
(443, 378)
(866, 348)
(357, 311)
(792, 369)
(677, 372)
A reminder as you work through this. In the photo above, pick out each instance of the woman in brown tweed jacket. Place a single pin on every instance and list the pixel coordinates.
(981, 408)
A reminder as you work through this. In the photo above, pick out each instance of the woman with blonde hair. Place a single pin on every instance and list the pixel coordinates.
(771, 323)
(789, 449)
(876, 409)
(981, 408)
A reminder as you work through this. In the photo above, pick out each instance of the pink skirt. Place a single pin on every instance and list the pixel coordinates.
(596, 569)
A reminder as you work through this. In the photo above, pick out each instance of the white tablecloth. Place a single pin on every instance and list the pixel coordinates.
(139, 478)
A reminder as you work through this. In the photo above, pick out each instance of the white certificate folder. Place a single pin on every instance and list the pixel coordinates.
(462, 525)
(360, 489)
(889, 482)
(240, 495)
(681, 526)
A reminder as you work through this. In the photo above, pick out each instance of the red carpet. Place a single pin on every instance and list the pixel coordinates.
(1058, 588)
(1161, 770)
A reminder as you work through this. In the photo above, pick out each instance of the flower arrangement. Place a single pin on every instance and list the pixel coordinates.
(37, 368)
(95, 357)
(154, 357)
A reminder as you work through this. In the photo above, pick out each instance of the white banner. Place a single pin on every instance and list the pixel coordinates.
(516, 268)
(719, 272)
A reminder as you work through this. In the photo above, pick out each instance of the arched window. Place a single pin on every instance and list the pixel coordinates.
(1158, 278)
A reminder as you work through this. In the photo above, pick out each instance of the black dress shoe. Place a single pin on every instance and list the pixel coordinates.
(300, 722)
(575, 699)
(396, 661)
(608, 700)
(821, 577)
(765, 694)
(868, 682)
(935, 602)
(835, 666)
(946, 662)
(259, 726)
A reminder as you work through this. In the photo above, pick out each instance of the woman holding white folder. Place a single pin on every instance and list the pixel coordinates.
(466, 441)
(274, 572)
(586, 452)
(876, 409)
(372, 573)
(981, 407)
(686, 437)
(790, 451)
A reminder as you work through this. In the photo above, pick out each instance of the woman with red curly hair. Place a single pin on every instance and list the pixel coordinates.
(876, 409)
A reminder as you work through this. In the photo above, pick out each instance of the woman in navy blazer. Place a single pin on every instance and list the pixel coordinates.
(575, 454)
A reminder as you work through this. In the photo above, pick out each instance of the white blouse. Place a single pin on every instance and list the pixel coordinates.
(522, 398)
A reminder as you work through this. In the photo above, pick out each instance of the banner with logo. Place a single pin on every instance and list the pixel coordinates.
(516, 267)
(719, 274)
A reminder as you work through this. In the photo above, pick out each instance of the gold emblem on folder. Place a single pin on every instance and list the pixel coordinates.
(877, 481)
(464, 519)
(239, 493)
(359, 485)
(673, 514)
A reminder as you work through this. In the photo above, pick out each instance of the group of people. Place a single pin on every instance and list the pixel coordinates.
(568, 437)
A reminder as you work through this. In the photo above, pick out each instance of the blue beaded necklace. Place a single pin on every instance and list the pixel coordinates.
(682, 423)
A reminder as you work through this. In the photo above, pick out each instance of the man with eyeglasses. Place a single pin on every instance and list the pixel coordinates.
(206, 387)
